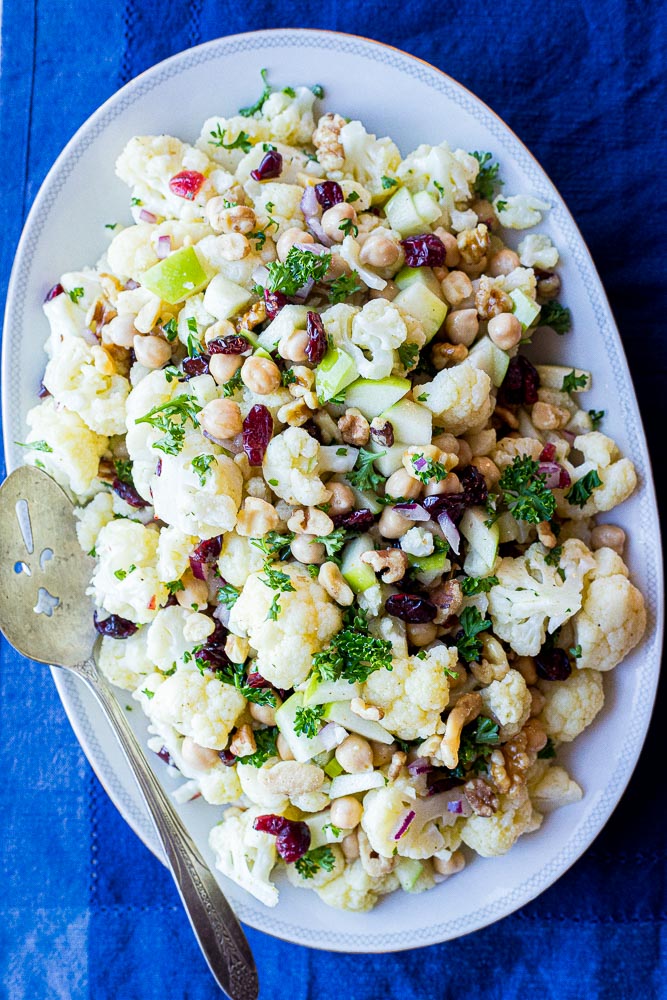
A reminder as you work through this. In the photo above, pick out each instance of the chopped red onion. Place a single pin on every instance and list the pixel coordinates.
(147, 216)
(315, 248)
(130, 285)
(450, 531)
(412, 511)
(419, 765)
(163, 248)
(222, 614)
(420, 463)
(302, 293)
(315, 226)
(569, 436)
(309, 204)
(555, 476)
(455, 807)
(402, 830)
(331, 735)
(548, 453)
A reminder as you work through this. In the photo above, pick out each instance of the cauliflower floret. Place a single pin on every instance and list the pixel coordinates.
(376, 333)
(417, 541)
(291, 467)
(537, 250)
(460, 398)
(166, 641)
(125, 662)
(257, 791)
(238, 559)
(612, 619)
(387, 809)
(290, 116)
(180, 498)
(618, 476)
(244, 855)
(153, 390)
(447, 176)
(72, 453)
(67, 319)
(134, 249)
(125, 581)
(355, 890)
(218, 132)
(368, 159)
(413, 693)
(532, 598)
(371, 600)
(76, 377)
(173, 553)
(519, 211)
(571, 705)
(307, 619)
(509, 702)
(551, 786)
(322, 876)
(276, 202)
(494, 835)
(219, 785)
(92, 518)
(510, 448)
(198, 705)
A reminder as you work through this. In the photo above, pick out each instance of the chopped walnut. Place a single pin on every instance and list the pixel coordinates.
(397, 762)
(507, 416)
(466, 709)
(518, 756)
(327, 426)
(326, 139)
(243, 742)
(548, 287)
(382, 431)
(252, 318)
(546, 535)
(354, 428)
(364, 711)
(473, 245)
(448, 598)
(106, 470)
(296, 413)
(443, 355)
(310, 521)
(490, 300)
(498, 770)
(333, 581)
(547, 417)
(390, 563)
(482, 798)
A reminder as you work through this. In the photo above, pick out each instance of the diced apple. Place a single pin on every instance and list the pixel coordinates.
(340, 712)
(289, 319)
(320, 692)
(427, 206)
(402, 213)
(525, 309)
(490, 358)
(353, 784)
(419, 301)
(372, 398)
(224, 298)
(437, 562)
(337, 458)
(552, 377)
(178, 276)
(359, 575)
(408, 871)
(318, 835)
(482, 540)
(418, 275)
(363, 500)
(301, 746)
(391, 460)
(412, 422)
(335, 372)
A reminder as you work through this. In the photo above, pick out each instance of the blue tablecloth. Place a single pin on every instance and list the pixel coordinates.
(85, 910)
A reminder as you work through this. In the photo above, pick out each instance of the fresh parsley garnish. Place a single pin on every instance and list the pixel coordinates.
(299, 267)
(501, 205)
(525, 492)
(476, 746)
(260, 102)
(388, 182)
(342, 287)
(312, 861)
(171, 418)
(278, 581)
(306, 721)
(353, 653)
(364, 476)
(426, 469)
(231, 385)
(174, 586)
(288, 377)
(35, 445)
(274, 545)
(573, 382)
(472, 623)
(75, 293)
(170, 330)
(228, 595)
(265, 741)
(334, 542)
(348, 227)
(335, 830)
(552, 558)
(234, 674)
(202, 465)
(597, 417)
(352, 196)
(318, 90)
(471, 585)
(487, 179)
(580, 492)
(408, 355)
(242, 140)
(556, 316)
(149, 694)
(576, 652)
(123, 470)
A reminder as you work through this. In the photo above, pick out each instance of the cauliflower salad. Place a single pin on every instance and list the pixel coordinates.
(345, 540)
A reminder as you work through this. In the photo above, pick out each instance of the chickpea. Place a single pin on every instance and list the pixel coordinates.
(450, 484)
(422, 634)
(402, 484)
(354, 755)
(346, 812)
(456, 863)
(282, 746)
(224, 366)
(293, 348)
(266, 714)
(382, 753)
(287, 240)
(393, 525)
(198, 756)
(350, 846)
(446, 442)
(465, 453)
(389, 292)
(234, 219)
(548, 287)
(505, 330)
(306, 550)
(261, 375)
(526, 667)
(488, 468)
(462, 326)
(120, 331)
(608, 536)
(452, 255)
(151, 352)
(221, 418)
(233, 246)
(341, 500)
(456, 287)
(503, 262)
(194, 594)
(380, 250)
(335, 217)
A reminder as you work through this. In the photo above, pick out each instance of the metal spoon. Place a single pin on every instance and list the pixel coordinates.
(46, 615)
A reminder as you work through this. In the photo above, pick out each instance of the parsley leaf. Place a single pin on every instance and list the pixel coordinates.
(471, 585)
(202, 465)
(228, 595)
(170, 330)
(596, 418)
(353, 653)
(163, 417)
(174, 586)
(259, 104)
(552, 558)
(273, 544)
(123, 471)
(348, 227)
(556, 316)
(388, 182)
(472, 623)
(35, 445)
(335, 830)
(75, 293)
(334, 542)
(352, 196)
(580, 492)
(288, 377)
(487, 179)
(242, 140)
(364, 476)
(312, 861)
(576, 652)
(232, 384)
(234, 674)
(476, 746)
(407, 355)
(265, 740)
(299, 267)
(306, 719)
(426, 469)
(572, 382)
(525, 492)
(279, 581)
(344, 286)
(318, 90)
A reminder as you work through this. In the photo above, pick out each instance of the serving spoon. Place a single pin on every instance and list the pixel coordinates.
(47, 616)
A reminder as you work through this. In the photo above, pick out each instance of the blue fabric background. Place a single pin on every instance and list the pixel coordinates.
(85, 910)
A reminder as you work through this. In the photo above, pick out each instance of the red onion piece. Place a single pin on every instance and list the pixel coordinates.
(163, 248)
(455, 807)
(555, 476)
(412, 511)
(147, 216)
(419, 765)
(402, 830)
(315, 226)
(331, 735)
(450, 531)
(302, 293)
(53, 292)
(548, 453)
(222, 614)
(309, 204)
(130, 285)
(569, 436)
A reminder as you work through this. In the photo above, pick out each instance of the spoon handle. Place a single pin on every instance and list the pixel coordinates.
(216, 928)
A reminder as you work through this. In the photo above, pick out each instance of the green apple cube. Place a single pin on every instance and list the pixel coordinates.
(358, 574)
(483, 540)
(419, 301)
(335, 372)
(364, 499)
(289, 319)
(408, 871)
(374, 397)
(525, 309)
(421, 275)
(224, 298)
(402, 213)
(412, 422)
(353, 784)
(553, 376)
(391, 460)
(490, 358)
(301, 746)
(437, 562)
(319, 836)
(340, 712)
(333, 768)
(178, 276)
(319, 692)
(427, 206)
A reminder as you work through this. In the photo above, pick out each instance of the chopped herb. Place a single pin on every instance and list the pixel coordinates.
(231, 385)
(476, 746)
(552, 558)
(422, 397)
(75, 293)
(313, 570)
(35, 445)
(136, 201)
(93, 552)
(265, 741)
(110, 225)
(388, 182)
(471, 585)
(306, 721)
(318, 90)
(408, 355)
(276, 580)
(501, 205)
(440, 189)
(525, 492)
(426, 469)
(472, 623)
(335, 830)
(341, 451)
(487, 179)
(548, 750)
(170, 330)
(202, 465)
(572, 382)
(163, 416)
(273, 482)
(242, 141)
(288, 377)
(174, 586)
(334, 542)
(290, 91)
(253, 109)
(352, 196)
(344, 286)
(123, 470)
(299, 267)
(171, 372)
(228, 595)
(353, 653)
(580, 492)
(234, 675)
(312, 861)
(364, 476)
(556, 316)
(596, 417)
(120, 574)
(149, 694)
(273, 544)
(576, 652)
(348, 227)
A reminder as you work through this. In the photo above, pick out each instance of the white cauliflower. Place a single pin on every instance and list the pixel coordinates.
(125, 581)
(355, 890)
(322, 876)
(551, 786)
(125, 662)
(368, 159)
(276, 202)
(417, 541)
(256, 789)
(492, 835)
(166, 640)
(153, 390)
(448, 176)
(173, 553)
(291, 466)
(387, 809)
(238, 559)
(198, 705)
(134, 249)
(67, 319)
(413, 693)
(218, 785)
(537, 250)
(244, 855)
(612, 619)
(77, 377)
(377, 331)
(307, 619)
(532, 598)
(104, 507)
(519, 211)
(459, 397)
(618, 476)
(572, 704)
(289, 117)
(509, 702)
(72, 453)
(509, 448)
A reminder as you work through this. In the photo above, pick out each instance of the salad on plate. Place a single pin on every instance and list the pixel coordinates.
(347, 557)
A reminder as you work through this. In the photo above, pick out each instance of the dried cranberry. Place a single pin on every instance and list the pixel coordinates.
(270, 823)
(553, 664)
(316, 347)
(310, 427)
(274, 302)
(475, 490)
(114, 626)
(228, 345)
(196, 366)
(440, 780)
(426, 250)
(520, 384)
(452, 503)
(164, 755)
(257, 431)
(548, 453)
(384, 434)
(205, 555)
(186, 184)
(271, 166)
(411, 608)
(42, 392)
(128, 493)
(293, 842)
(355, 520)
(212, 653)
(53, 292)
(328, 193)
(227, 758)
(255, 680)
